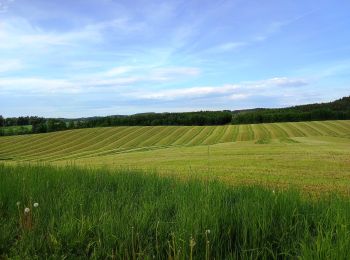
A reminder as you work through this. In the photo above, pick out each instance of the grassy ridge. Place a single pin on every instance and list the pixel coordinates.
(93, 213)
(80, 143)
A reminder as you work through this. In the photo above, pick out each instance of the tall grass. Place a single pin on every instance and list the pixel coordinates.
(132, 215)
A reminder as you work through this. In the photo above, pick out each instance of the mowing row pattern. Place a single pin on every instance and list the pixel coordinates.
(102, 141)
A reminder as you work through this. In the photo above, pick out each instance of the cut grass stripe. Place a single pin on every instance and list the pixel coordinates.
(173, 137)
(79, 143)
(339, 130)
(71, 143)
(135, 130)
(46, 144)
(90, 144)
(312, 131)
(325, 128)
(216, 135)
(296, 129)
(189, 135)
(227, 134)
(203, 136)
(235, 133)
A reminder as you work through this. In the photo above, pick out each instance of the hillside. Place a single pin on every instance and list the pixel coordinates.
(338, 110)
(92, 142)
(309, 155)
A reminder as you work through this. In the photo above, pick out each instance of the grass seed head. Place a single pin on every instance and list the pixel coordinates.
(26, 210)
(18, 203)
(36, 204)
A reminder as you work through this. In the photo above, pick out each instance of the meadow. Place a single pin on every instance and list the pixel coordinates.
(100, 214)
(267, 191)
(313, 156)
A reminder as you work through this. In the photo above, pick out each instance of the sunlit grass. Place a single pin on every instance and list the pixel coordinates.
(127, 214)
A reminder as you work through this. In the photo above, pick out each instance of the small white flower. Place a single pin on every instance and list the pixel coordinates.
(273, 191)
(18, 203)
(208, 231)
(36, 204)
(26, 210)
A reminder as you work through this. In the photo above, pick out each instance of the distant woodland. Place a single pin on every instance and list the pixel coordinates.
(336, 110)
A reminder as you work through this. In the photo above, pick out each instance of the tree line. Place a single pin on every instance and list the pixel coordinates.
(336, 110)
(43, 125)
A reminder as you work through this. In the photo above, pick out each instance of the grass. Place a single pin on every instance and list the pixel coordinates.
(74, 144)
(311, 156)
(178, 192)
(125, 214)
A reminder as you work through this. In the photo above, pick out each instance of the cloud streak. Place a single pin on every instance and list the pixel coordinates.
(229, 91)
(110, 80)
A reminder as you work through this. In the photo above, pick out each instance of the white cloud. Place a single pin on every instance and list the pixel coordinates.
(19, 33)
(229, 46)
(238, 96)
(167, 74)
(110, 80)
(37, 85)
(278, 82)
(117, 71)
(10, 65)
(189, 92)
(232, 91)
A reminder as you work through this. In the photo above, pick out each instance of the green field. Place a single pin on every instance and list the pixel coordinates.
(313, 156)
(122, 214)
(267, 191)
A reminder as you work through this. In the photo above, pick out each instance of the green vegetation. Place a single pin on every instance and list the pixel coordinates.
(15, 130)
(277, 190)
(132, 215)
(336, 110)
(312, 156)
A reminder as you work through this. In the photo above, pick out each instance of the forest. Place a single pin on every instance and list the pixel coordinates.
(336, 110)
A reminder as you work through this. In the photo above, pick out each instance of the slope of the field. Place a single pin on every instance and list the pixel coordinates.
(88, 143)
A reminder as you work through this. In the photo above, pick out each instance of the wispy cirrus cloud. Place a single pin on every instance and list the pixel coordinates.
(20, 33)
(229, 91)
(110, 80)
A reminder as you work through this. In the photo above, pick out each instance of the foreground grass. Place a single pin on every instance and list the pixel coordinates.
(128, 215)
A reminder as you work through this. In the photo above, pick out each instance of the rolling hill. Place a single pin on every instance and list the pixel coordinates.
(82, 143)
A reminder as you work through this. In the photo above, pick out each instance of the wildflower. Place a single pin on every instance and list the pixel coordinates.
(273, 191)
(18, 203)
(207, 231)
(26, 210)
(36, 204)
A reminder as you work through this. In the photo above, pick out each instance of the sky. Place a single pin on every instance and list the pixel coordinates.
(105, 57)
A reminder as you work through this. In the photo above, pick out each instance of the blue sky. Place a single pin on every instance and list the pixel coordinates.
(101, 57)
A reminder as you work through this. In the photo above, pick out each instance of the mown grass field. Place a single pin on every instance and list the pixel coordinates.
(121, 214)
(171, 192)
(313, 156)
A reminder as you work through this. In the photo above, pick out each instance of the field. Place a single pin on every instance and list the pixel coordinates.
(267, 191)
(313, 156)
(131, 215)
